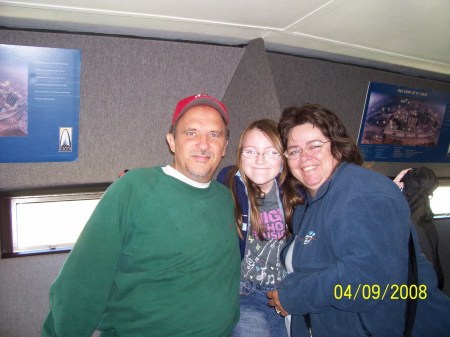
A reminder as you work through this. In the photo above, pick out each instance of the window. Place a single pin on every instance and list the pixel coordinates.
(439, 203)
(45, 221)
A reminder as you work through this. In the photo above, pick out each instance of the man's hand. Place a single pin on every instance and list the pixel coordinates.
(399, 177)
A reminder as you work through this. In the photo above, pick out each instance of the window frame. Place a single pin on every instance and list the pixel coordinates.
(8, 199)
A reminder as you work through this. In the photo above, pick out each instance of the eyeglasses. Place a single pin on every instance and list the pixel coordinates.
(268, 155)
(311, 147)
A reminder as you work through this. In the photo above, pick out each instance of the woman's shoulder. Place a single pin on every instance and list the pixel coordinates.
(361, 172)
(366, 180)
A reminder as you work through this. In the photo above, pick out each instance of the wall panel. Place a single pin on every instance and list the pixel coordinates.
(129, 88)
(342, 88)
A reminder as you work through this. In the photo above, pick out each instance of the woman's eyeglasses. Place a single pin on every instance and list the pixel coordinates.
(311, 147)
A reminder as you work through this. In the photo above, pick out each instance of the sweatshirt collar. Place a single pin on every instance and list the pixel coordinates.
(170, 171)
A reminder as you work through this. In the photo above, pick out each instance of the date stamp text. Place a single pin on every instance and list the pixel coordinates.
(375, 292)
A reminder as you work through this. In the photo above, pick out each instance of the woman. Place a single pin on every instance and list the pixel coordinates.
(262, 214)
(348, 256)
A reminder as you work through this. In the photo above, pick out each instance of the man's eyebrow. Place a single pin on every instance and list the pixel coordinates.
(222, 133)
(189, 129)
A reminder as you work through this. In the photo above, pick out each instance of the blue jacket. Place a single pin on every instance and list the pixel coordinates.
(350, 262)
(242, 197)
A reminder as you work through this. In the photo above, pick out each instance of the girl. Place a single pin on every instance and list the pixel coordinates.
(263, 211)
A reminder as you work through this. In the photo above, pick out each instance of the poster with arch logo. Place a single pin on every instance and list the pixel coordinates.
(39, 104)
(402, 124)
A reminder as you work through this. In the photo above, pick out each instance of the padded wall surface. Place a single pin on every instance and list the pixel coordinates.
(251, 94)
(342, 88)
(129, 89)
(24, 292)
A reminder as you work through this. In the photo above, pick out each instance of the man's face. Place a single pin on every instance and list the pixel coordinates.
(199, 143)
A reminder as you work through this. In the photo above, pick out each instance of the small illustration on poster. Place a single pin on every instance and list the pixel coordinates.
(65, 139)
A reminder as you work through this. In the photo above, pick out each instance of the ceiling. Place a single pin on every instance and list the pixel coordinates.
(406, 36)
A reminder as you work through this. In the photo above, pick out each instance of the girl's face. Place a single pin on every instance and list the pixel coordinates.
(267, 164)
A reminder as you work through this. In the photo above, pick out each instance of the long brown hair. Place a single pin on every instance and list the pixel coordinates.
(289, 197)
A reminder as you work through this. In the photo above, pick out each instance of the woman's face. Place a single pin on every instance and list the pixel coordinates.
(314, 168)
(263, 169)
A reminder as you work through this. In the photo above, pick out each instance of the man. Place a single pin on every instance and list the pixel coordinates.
(159, 255)
(418, 185)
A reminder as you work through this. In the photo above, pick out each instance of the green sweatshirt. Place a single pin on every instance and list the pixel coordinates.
(158, 257)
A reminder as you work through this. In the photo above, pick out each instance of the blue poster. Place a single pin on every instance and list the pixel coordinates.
(39, 104)
(402, 124)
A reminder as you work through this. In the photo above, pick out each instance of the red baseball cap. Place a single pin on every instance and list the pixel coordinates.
(199, 99)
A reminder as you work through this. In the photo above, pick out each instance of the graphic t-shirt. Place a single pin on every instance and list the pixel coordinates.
(261, 263)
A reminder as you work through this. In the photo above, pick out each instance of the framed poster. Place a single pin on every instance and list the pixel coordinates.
(402, 124)
(39, 104)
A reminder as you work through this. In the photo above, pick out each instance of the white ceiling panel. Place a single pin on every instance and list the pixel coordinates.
(341, 52)
(396, 27)
(271, 14)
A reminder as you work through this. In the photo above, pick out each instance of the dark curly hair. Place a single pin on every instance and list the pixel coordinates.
(343, 147)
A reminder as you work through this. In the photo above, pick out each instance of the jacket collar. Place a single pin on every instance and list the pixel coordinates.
(326, 185)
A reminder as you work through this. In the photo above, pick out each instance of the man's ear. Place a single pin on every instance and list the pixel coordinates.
(224, 149)
(171, 141)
